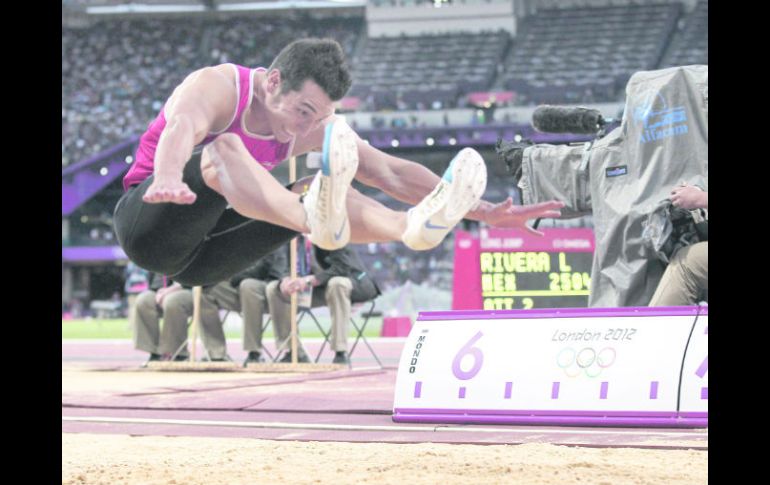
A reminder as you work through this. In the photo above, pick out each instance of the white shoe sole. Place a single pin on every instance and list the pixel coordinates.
(464, 183)
(339, 163)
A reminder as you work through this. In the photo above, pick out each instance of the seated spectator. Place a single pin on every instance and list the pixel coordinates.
(175, 305)
(244, 293)
(338, 279)
(137, 281)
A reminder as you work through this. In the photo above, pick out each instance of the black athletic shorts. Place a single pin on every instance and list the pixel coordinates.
(201, 243)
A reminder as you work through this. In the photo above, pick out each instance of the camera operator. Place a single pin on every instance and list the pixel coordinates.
(686, 277)
(621, 177)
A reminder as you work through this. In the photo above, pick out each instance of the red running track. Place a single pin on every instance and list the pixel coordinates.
(349, 405)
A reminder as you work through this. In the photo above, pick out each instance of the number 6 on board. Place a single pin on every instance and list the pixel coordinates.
(478, 359)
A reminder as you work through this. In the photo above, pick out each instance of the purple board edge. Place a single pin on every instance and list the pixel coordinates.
(669, 420)
(542, 412)
(564, 313)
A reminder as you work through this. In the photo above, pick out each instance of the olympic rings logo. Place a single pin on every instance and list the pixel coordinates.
(586, 360)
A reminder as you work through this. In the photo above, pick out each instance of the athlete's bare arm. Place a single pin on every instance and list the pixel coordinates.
(401, 179)
(204, 102)
(409, 182)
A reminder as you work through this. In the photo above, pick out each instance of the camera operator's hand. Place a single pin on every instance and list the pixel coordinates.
(508, 216)
(689, 197)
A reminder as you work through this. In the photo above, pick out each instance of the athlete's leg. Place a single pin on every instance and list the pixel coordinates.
(462, 185)
(229, 169)
(164, 237)
(256, 194)
(370, 221)
(425, 225)
(247, 186)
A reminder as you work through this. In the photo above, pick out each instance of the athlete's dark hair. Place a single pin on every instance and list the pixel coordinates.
(321, 60)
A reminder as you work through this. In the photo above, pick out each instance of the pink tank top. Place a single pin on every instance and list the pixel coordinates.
(266, 150)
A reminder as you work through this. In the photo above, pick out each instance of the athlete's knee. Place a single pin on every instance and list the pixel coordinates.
(352, 192)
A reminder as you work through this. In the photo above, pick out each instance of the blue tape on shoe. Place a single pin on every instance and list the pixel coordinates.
(325, 156)
(448, 173)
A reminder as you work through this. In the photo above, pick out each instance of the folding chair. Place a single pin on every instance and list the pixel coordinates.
(301, 312)
(359, 332)
(264, 327)
(265, 323)
(184, 344)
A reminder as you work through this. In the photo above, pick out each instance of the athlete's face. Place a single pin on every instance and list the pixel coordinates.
(296, 113)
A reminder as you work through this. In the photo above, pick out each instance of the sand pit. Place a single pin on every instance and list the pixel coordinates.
(121, 459)
(107, 454)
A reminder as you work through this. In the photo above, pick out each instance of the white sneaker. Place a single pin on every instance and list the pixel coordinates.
(459, 190)
(327, 215)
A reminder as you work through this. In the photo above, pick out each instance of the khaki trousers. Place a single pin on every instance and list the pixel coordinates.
(335, 295)
(685, 278)
(145, 322)
(249, 299)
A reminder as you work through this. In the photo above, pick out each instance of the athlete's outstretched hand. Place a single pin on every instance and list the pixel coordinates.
(508, 216)
(174, 191)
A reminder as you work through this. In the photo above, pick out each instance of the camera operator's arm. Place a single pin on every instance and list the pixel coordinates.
(689, 197)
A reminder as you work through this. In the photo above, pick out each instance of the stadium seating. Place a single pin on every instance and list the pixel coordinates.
(422, 72)
(586, 54)
(117, 72)
(692, 47)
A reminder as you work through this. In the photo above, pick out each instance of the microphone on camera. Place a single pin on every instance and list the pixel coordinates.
(562, 119)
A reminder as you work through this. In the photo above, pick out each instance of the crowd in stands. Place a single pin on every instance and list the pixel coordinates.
(115, 76)
(116, 73)
(256, 41)
(393, 264)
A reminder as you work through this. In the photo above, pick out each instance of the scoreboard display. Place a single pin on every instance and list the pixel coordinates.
(534, 279)
(510, 270)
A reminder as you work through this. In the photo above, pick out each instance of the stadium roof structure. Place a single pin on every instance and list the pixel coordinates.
(192, 6)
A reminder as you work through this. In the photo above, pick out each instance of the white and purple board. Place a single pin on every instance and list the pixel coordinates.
(571, 366)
